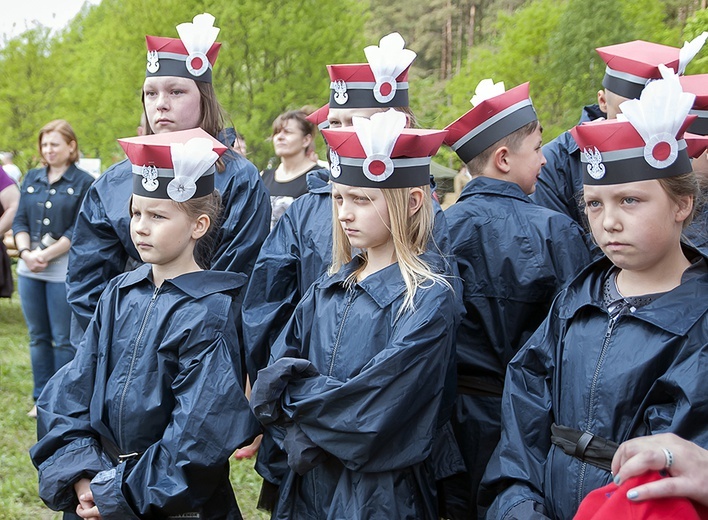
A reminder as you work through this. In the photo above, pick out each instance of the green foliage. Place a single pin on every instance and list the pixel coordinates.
(696, 25)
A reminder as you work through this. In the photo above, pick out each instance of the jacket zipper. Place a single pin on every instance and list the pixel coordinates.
(138, 338)
(350, 299)
(593, 386)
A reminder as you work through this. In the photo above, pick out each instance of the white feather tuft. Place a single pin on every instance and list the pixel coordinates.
(689, 51)
(390, 58)
(379, 134)
(198, 35)
(486, 89)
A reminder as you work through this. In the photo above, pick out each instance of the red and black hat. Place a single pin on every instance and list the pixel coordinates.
(698, 85)
(496, 114)
(173, 165)
(644, 142)
(631, 65)
(381, 153)
(319, 117)
(696, 144)
(382, 82)
(191, 56)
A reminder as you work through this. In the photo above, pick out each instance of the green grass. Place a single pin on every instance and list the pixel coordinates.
(18, 478)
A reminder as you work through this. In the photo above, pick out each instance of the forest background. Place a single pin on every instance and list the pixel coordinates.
(274, 55)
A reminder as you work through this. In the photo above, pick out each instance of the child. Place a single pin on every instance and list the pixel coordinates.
(177, 94)
(513, 256)
(143, 422)
(630, 66)
(619, 355)
(355, 385)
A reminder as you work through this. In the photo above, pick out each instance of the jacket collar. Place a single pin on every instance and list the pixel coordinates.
(196, 285)
(486, 186)
(384, 286)
(664, 312)
(69, 176)
(590, 113)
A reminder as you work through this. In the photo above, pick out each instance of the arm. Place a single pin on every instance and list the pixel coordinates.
(513, 481)
(397, 392)
(246, 220)
(189, 462)
(272, 294)
(689, 471)
(97, 254)
(9, 200)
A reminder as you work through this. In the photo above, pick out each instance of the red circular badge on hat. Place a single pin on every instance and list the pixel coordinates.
(378, 167)
(385, 89)
(661, 150)
(197, 63)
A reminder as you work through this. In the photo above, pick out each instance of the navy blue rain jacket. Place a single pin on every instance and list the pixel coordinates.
(641, 374)
(159, 374)
(353, 395)
(513, 257)
(561, 181)
(101, 247)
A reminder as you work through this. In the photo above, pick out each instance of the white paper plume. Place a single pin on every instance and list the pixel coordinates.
(379, 134)
(388, 60)
(485, 90)
(198, 35)
(659, 114)
(689, 51)
(190, 161)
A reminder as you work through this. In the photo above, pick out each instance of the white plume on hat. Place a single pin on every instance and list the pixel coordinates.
(190, 161)
(378, 136)
(689, 51)
(487, 89)
(387, 61)
(198, 35)
(659, 114)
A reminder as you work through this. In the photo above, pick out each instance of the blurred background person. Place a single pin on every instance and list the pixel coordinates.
(9, 200)
(49, 203)
(10, 168)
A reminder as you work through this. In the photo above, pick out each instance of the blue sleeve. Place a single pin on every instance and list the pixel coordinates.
(211, 418)
(397, 392)
(514, 478)
(272, 294)
(568, 250)
(96, 256)
(246, 220)
(554, 189)
(68, 448)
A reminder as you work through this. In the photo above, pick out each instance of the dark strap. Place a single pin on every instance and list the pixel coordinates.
(473, 385)
(584, 446)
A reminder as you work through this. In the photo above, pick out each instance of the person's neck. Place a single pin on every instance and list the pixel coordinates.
(377, 259)
(160, 273)
(292, 167)
(54, 173)
(659, 278)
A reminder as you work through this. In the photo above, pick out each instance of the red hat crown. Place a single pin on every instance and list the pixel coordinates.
(698, 85)
(319, 117)
(191, 56)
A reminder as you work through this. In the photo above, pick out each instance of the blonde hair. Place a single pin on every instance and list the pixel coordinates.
(411, 236)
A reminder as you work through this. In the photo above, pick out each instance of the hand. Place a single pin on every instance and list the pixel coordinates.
(689, 470)
(249, 451)
(87, 507)
(35, 261)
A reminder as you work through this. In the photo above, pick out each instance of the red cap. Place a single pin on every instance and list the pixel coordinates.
(631, 65)
(490, 121)
(381, 153)
(696, 144)
(319, 117)
(611, 502)
(163, 164)
(191, 56)
(382, 82)
(698, 84)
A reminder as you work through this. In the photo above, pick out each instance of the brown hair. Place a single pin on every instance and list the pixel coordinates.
(512, 142)
(299, 117)
(682, 186)
(64, 129)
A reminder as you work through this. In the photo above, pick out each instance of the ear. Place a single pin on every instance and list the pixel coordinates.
(307, 141)
(685, 206)
(500, 159)
(415, 200)
(602, 100)
(201, 226)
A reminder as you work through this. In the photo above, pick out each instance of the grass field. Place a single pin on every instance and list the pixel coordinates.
(18, 478)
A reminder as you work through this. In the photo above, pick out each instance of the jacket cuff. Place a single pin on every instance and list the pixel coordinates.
(107, 489)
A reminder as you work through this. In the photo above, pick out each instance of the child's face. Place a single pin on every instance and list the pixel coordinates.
(171, 103)
(162, 233)
(363, 215)
(526, 161)
(342, 117)
(635, 224)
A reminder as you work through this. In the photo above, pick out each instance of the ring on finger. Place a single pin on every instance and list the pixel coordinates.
(669, 458)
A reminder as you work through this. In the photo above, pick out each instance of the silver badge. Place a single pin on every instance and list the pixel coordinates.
(595, 168)
(340, 92)
(152, 65)
(150, 182)
(334, 168)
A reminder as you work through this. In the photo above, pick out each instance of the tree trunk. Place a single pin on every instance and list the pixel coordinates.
(470, 28)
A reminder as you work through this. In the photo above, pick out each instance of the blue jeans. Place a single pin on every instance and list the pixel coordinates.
(48, 318)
